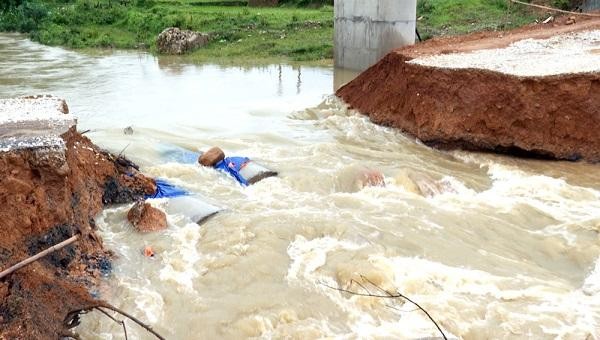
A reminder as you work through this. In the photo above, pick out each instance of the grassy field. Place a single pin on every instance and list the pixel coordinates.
(450, 17)
(299, 30)
(237, 31)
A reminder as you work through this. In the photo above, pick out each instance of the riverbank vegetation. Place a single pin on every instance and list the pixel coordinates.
(451, 17)
(295, 30)
(236, 31)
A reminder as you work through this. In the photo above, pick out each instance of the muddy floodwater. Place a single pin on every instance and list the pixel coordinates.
(493, 247)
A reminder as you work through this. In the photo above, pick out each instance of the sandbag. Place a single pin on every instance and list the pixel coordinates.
(254, 172)
(191, 206)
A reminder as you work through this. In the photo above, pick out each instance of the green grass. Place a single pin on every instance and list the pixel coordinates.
(451, 17)
(237, 32)
(296, 31)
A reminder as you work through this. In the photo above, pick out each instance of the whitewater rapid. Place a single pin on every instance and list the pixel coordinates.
(491, 246)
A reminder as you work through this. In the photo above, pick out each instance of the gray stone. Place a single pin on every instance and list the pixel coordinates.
(175, 41)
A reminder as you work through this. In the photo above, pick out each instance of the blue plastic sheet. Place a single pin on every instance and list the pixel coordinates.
(232, 166)
(165, 189)
(177, 154)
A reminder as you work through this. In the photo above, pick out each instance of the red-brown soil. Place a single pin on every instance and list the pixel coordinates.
(554, 116)
(47, 196)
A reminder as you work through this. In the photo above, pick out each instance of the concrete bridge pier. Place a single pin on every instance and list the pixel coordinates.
(591, 5)
(366, 30)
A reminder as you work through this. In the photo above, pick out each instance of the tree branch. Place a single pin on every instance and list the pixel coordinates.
(389, 295)
(74, 315)
(38, 256)
(555, 9)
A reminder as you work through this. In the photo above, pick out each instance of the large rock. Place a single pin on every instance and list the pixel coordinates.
(175, 41)
(211, 157)
(146, 218)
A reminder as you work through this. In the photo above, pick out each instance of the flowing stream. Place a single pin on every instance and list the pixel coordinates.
(493, 247)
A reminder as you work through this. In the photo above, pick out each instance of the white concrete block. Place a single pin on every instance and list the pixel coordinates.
(33, 122)
(365, 30)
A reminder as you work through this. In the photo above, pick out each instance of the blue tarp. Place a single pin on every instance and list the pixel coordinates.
(177, 154)
(165, 189)
(232, 166)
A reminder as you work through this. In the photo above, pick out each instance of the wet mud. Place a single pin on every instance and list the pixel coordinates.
(47, 196)
(552, 117)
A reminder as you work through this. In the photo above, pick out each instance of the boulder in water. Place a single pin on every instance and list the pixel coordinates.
(354, 178)
(146, 218)
(372, 178)
(175, 41)
(422, 184)
(211, 157)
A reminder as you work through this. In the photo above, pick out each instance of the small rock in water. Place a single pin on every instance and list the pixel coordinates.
(148, 251)
(372, 178)
(146, 218)
(128, 130)
(354, 178)
(211, 157)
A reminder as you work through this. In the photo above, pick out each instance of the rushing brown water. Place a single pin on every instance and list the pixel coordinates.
(493, 247)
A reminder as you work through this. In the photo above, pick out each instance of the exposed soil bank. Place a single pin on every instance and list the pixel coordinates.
(46, 196)
(548, 116)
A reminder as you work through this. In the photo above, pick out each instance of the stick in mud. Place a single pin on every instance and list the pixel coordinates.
(73, 314)
(38, 256)
(555, 9)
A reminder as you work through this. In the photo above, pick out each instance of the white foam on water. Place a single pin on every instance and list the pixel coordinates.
(138, 293)
(465, 301)
(520, 299)
(308, 255)
(180, 261)
(147, 300)
(178, 264)
(511, 186)
(330, 106)
(591, 285)
(458, 298)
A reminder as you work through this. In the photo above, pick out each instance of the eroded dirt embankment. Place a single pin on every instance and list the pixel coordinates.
(46, 196)
(554, 116)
